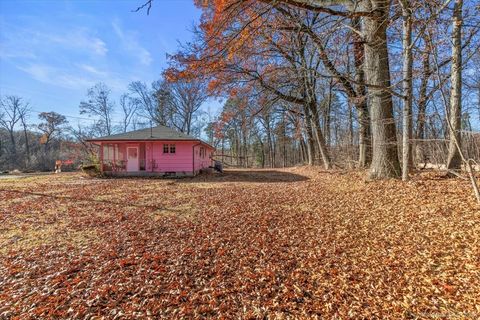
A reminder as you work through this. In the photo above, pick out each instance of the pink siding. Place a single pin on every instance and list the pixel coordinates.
(180, 161)
(202, 160)
(187, 156)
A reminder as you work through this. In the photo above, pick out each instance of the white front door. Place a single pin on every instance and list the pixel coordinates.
(132, 159)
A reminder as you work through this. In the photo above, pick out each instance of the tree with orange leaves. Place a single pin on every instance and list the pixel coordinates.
(260, 54)
(250, 16)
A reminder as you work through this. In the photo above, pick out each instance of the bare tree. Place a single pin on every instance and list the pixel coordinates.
(82, 133)
(374, 13)
(147, 101)
(129, 109)
(454, 159)
(99, 105)
(186, 96)
(407, 86)
(14, 109)
(23, 120)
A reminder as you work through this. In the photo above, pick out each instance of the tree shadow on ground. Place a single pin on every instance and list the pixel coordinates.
(80, 198)
(258, 176)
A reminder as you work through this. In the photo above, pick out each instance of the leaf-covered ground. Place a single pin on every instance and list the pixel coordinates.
(288, 244)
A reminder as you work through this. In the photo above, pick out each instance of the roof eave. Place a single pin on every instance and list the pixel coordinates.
(96, 141)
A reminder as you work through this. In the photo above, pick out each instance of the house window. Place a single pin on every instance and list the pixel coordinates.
(169, 148)
(109, 152)
(119, 153)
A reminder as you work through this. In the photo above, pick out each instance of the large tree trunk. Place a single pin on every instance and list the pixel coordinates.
(303, 151)
(270, 143)
(13, 149)
(322, 147)
(385, 162)
(262, 148)
(327, 119)
(422, 108)
(284, 138)
(350, 153)
(309, 131)
(365, 137)
(454, 159)
(407, 88)
(245, 147)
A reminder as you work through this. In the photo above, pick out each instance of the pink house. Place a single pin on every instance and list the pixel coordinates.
(153, 151)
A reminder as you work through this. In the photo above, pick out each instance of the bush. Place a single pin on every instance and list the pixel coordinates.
(92, 168)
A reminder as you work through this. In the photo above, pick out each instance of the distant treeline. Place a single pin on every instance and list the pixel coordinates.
(33, 140)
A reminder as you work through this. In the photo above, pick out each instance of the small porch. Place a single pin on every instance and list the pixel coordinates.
(126, 158)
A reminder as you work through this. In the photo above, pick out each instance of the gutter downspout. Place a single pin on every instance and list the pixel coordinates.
(193, 157)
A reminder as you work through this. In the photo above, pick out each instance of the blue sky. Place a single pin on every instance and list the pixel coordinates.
(52, 51)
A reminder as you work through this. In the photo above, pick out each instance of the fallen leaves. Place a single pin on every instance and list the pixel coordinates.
(295, 243)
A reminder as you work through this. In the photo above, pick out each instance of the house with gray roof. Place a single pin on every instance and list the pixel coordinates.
(154, 151)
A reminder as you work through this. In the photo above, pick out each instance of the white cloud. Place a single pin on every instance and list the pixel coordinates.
(130, 43)
(79, 39)
(92, 70)
(74, 57)
(78, 77)
(65, 57)
(54, 76)
(11, 53)
(37, 41)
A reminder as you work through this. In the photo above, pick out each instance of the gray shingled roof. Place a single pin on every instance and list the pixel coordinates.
(154, 133)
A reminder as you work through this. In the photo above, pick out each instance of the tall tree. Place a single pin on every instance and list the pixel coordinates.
(129, 109)
(99, 105)
(377, 70)
(186, 96)
(149, 101)
(360, 99)
(23, 121)
(14, 109)
(407, 86)
(375, 15)
(425, 74)
(454, 161)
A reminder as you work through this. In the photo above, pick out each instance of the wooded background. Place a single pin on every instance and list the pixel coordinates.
(383, 85)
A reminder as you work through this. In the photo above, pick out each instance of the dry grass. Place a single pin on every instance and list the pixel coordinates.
(296, 243)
